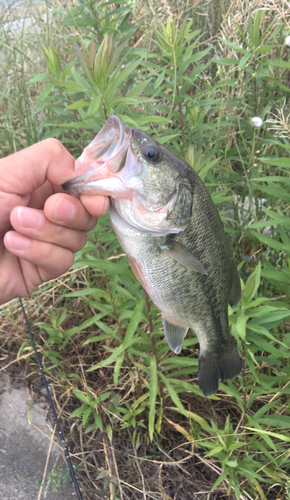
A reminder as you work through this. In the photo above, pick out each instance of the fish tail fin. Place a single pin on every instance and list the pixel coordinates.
(214, 367)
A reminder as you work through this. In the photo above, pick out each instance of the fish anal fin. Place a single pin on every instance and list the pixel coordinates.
(180, 253)
(235, 292)
(174, 335)
(214, 367)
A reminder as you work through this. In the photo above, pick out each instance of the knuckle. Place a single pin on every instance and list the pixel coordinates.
(69, 259)
(47, 252)
(80, 242)
(54, 145)
(91, 224)
(59, 231)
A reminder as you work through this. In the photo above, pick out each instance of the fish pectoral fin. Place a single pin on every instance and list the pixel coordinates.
(174, 335)
(235, 292)
(217, 366)
(180, 253)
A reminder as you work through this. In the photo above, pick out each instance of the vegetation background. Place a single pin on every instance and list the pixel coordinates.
(193, 74)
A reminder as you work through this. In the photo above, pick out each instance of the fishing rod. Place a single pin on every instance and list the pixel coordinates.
(52, 405)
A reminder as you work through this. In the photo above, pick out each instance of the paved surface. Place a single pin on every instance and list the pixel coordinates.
(24, 448)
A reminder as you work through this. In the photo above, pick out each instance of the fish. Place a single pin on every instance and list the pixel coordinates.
(172, 234)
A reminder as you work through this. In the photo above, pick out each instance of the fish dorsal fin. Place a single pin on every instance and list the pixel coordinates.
(180, 253)
(235, 292)
(174, 335)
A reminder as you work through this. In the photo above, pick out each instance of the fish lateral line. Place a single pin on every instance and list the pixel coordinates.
(180, 253)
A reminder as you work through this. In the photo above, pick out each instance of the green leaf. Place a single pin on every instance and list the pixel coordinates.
(275, 191)
(138, 89)
(244, 61)
(219, 480)
(232, 391)
(98, 421)
(86, 414)
(260, 329)
(241, 325)
(252, 285)
(275, 421)
(93, 107)
(282, 437)
(84, 399)
(46, 91)
(166, 138)
(178, 361)
(266, 437)
(78, 412)
(276, 162)
(215, 451)
(279, 276)
(152, 395)
(37, 78)
(190, 60)
(103, 396)
(80, 81)
(203, 423)
(116, 82)
(107, 361)
(266, 48)
(78, 104)
(271, 178)
(172, 393)
(234, 46)
(269, 241)
(117, 369)
(258, 19)
(135, 320)
(104, 265)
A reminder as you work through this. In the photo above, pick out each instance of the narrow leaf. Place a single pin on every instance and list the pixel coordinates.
(152, 395)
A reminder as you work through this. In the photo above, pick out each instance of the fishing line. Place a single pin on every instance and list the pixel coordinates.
(51, 405)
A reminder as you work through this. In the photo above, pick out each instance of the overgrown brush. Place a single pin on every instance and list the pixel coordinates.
(103, 345)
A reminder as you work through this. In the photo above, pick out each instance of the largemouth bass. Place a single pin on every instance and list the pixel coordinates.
(173, 236)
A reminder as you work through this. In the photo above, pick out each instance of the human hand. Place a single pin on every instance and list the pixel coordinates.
(49, 225)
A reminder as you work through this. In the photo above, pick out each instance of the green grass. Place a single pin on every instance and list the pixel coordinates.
(193, 78)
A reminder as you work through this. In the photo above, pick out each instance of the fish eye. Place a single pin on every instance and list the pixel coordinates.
(151, 152)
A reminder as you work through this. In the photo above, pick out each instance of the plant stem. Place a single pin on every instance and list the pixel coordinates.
(255, 92)
(181, 121)
(244, 385)
(105, 110)
(147, 305)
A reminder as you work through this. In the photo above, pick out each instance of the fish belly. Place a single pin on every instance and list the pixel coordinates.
(177, 291)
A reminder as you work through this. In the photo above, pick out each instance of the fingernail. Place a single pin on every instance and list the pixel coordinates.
(64, 210)
(17, 241)
(105, 205)
(28, 217)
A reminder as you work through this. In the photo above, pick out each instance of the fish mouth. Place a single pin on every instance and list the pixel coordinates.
(102, 159)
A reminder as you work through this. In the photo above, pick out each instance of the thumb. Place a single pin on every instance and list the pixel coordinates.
(27, 170)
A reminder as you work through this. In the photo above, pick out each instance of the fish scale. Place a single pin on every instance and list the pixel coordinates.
(173, 236)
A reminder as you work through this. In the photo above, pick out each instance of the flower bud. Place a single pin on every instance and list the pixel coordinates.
(257, 121)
